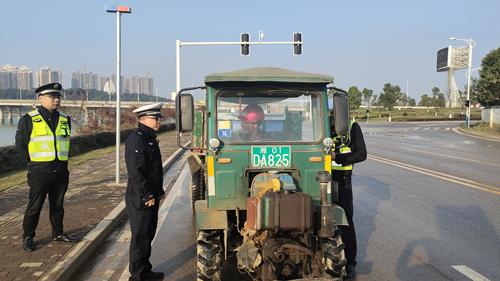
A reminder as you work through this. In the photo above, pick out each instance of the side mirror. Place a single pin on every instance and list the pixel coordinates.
(341, 114)
(184, 107)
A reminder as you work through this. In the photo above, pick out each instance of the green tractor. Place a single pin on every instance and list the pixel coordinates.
(260, 166)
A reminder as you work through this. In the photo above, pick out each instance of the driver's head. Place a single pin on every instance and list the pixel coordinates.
(251, 118)
(252, 114)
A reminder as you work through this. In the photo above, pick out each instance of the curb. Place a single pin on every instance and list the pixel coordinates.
(84, 249)
(458, 130)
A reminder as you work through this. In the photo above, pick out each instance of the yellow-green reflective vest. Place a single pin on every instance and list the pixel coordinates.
(342, 150)
(44, 144)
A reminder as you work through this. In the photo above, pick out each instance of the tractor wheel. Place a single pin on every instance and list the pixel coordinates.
(197, 187)
(334, 260)
(209, 255)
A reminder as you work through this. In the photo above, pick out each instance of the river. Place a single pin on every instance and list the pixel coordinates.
(8, 132)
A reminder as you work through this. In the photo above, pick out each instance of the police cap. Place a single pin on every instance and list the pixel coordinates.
(150, 110)
(52, 88)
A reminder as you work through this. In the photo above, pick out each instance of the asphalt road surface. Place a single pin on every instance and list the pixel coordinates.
(426, 207)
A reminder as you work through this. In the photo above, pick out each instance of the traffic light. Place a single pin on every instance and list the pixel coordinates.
(466, 103)
(245, 48)
(297, 48)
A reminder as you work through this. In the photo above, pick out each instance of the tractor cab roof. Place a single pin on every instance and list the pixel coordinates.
(268, 74)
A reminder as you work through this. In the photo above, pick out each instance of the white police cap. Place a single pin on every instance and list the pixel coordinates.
(150, 110)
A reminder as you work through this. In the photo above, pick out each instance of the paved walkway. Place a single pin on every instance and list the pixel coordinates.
(92, 204)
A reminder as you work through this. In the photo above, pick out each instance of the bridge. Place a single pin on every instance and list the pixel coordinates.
(89, 107)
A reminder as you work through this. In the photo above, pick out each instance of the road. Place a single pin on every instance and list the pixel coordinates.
(426, 208)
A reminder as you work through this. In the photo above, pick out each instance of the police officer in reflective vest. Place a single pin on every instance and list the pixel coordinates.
(144, 190)
(343, 160)
(42, 138)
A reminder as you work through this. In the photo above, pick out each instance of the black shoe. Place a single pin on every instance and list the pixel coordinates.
(154, 275)
(350, 271)
(65, 238)
(28, 244)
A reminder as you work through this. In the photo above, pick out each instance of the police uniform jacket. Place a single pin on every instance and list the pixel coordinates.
(24, 129)
(357, 153)
(144, 166)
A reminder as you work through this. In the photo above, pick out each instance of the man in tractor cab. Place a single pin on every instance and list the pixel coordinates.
(343, 160)
(252, 117)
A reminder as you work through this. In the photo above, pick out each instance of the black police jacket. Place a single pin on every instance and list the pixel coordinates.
(358, 150)
(144, 166)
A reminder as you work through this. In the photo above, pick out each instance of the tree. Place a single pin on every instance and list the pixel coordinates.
(390, 96)
(354, 98)
(412, 102)
(374, 100)
(367, 94)
(489, 79)
(426, 101)
(437, 100)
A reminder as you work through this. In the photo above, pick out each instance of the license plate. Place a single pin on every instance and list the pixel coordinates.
(271, 156)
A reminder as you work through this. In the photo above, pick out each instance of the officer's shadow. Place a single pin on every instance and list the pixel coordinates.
(366, 205)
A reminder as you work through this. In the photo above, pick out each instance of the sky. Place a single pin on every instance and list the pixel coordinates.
(360, 43)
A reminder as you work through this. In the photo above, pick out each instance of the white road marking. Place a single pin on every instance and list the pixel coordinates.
(425, 129)
(464, 159)
(447, 129)
(470, 273)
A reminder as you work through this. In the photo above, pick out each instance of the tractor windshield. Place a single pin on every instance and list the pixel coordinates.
(274, 115)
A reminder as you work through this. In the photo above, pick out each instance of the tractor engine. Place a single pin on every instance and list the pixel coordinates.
(276, 240)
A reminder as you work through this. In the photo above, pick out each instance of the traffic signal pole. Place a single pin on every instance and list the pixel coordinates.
(245, 49)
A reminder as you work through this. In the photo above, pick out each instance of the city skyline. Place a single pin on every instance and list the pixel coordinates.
(364, 43)
(20, 77)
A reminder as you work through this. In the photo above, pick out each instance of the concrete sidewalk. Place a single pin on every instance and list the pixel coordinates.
(94, 205)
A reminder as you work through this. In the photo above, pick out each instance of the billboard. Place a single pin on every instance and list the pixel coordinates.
(444, 59)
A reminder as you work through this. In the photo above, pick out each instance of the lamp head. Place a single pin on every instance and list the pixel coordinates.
(453, 38)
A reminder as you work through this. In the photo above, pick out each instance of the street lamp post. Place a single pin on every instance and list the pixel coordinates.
(118, 10)
(471, 44)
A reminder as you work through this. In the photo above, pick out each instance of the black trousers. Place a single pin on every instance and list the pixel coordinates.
(345, 201)
(41, 184)
(143, 225)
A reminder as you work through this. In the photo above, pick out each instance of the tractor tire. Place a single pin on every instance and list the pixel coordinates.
(197, 187)
(209, 255)
(334, 261)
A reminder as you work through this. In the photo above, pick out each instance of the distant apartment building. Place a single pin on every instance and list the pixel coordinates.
(102, 81)
(136, 84)
(48, 75)
(16, 77)
(113, 78)
(85, 80)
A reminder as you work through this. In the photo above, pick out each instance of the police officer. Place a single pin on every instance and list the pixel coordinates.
(343, 160)
(42, 138)
(144, 189)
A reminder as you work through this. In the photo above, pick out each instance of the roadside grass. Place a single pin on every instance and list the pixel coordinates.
(15, 178)
(378, 115)
(483, 129)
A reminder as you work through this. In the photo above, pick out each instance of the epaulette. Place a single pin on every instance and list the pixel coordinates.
(139, 133)
(34, 113)
(65, 115)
